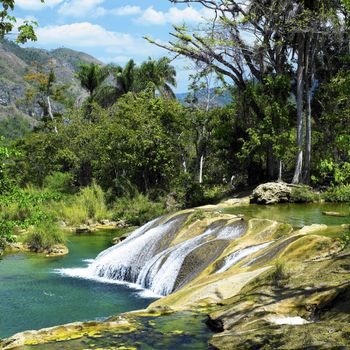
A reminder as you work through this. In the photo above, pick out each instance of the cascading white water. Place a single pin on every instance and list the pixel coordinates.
(239, 255)
(161, 272)
(147, 257)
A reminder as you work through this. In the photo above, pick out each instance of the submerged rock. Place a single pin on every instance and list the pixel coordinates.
(271, 193)
(335, 213)
(83, 229)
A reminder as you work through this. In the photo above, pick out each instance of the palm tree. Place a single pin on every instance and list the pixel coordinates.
(91, 77)
(125, 77)
(159, 72)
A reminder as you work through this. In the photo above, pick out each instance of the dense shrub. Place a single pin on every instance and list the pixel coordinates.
(189, 193)
(44, 236)
(138, 210)
(88, 204)
(216, 193)
(59, 182)
(303, 194)
(339, 193)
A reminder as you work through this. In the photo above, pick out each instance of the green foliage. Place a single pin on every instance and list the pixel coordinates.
(270, 136)
(189, 193)
(44, 236)
(59, 182)
(14, 127)
(6, 232)
(345, 239)
(303, 194)
(88, 205)
(337, 173)
(216, 193)
(7, 23)
(91, 77)
(339, 193)
(138, 210)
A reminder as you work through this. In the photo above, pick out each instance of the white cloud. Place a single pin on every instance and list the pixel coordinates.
(86, 35)
(126, 10)
(81, 8)
(37, 4)
(174, 16)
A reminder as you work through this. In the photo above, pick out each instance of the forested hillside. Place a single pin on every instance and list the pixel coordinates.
(20, 110)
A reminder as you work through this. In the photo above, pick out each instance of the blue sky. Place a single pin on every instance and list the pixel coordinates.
(111, 30)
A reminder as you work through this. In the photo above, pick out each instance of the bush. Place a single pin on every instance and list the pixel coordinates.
(189, 193)
(303, 194)
(59, 182)
(44, 236)
(216, 193)
(87, 205)
(138, 210)
(339, 193)
(6, 233)
(93, 199)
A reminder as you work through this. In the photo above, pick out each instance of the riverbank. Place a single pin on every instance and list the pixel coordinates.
(266, 280)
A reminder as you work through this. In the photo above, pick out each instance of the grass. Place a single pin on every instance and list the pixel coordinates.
(88, 205)
(338, 194)
(303, 194)
(44, 236)
(138, 210)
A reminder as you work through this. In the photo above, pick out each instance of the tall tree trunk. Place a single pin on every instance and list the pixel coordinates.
(280, 169)
(300, 108)
(201, 165)
(309, 91)
(306, 176)
(49, 108)
(184, 163)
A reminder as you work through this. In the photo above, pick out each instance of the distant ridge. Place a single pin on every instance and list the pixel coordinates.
(216, 101)
(15, 117)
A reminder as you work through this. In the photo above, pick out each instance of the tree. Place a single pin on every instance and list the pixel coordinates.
(7, 23)
(125, 77)
(91, 77)
(160, 73)
(45, 89)
(250, 42)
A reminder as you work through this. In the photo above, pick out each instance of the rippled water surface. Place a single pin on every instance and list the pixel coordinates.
(32, 296)
(298, 215)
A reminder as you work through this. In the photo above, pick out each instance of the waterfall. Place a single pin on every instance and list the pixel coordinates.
(149, 259)
(239, 255)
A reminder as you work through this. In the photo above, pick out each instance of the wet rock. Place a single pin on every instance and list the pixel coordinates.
(334, 213)
(215, 325)
(117, 240)
(57, 250)
(272, 193)
(105, 222)
(63, 224)
(83, 229)
(121, 224)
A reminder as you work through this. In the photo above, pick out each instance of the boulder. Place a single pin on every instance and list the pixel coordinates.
(82, 229)
(57, 250)
(271, 193)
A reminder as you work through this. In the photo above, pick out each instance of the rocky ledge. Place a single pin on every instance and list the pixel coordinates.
(54, 251)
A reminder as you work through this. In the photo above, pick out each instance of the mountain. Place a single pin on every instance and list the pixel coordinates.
(15, 62)
(215, 101)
